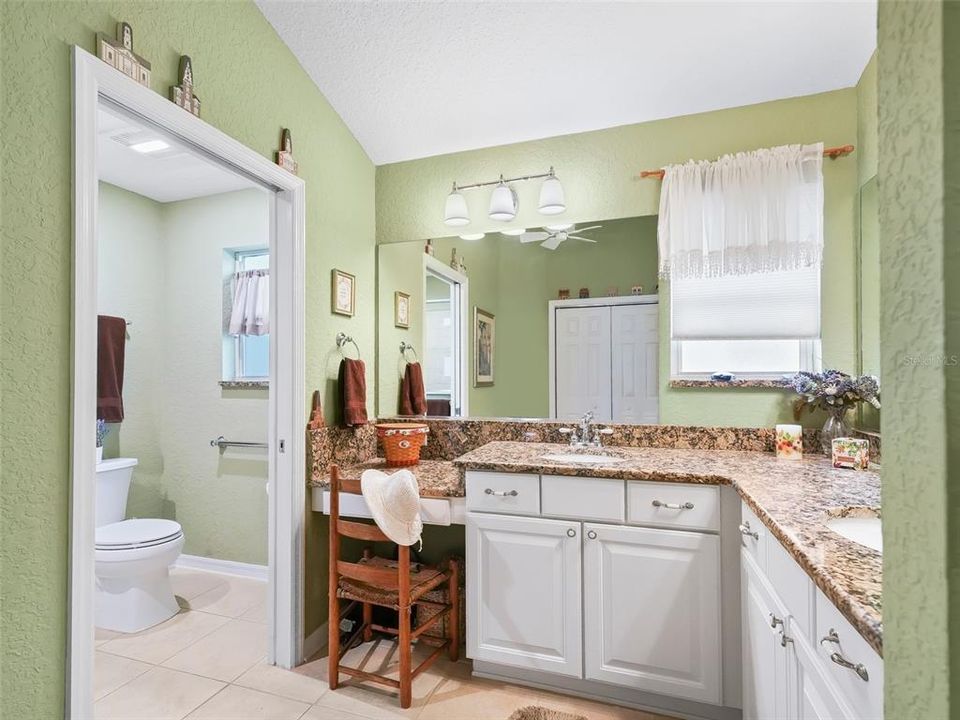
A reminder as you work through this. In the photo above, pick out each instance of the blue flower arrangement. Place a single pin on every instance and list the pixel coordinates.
(101, 432)
(833, 391)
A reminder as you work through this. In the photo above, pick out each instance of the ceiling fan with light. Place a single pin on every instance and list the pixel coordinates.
(552, 235)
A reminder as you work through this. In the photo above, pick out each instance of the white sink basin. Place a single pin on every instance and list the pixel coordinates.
(583, 459)
(862, 530)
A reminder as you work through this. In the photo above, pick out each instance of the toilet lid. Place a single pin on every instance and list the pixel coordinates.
(142, 532)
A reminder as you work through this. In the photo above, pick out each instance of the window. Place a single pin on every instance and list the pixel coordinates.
(758, 325)
(251, 353)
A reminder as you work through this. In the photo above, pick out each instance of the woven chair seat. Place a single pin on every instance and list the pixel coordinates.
(421, 577)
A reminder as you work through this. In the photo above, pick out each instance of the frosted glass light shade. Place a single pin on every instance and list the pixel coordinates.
(503, 203)
(473, 236)
(551, 197)
(513, 232)
(455, 211)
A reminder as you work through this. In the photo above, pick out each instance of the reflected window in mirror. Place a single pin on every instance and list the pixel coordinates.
(247, 351)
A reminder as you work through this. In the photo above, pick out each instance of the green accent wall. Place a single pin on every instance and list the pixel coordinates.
(515, 282)
(919, 171)
(251, 86)
(599, 171)
(867, 138)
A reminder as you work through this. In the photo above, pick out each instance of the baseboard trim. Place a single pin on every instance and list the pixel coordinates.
(315, 642)
(225, 567)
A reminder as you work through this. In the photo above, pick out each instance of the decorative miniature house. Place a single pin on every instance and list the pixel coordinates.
(182, 94)
(285, 153)
(120, 55)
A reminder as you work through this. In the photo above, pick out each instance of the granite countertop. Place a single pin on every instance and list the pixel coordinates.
(792, 498)
(435, 478)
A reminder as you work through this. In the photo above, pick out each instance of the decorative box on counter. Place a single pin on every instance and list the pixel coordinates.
(790, 442)
(851, 453)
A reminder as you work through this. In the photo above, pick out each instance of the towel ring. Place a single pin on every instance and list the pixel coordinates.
(343, 339)
(404, 347)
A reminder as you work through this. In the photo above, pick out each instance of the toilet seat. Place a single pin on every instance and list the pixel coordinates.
(138, 533)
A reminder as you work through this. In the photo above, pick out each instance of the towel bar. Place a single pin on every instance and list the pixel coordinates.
(221, 443)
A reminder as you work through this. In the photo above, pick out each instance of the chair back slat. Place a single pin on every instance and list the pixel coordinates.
(386, 578)
(361, 531)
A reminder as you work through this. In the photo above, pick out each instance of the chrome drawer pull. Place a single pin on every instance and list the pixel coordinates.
(784, 639)
(859, 668)
(673, 506)
(747, 532)
(501, 493)
(774, 621)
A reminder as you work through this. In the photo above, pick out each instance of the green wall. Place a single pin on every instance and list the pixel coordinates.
(599, 171)
(917, 79)
(251, 86)
(515, 282)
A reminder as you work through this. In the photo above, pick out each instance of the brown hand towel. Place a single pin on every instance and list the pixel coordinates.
(413, 399)
(111, 341)
(353, 392)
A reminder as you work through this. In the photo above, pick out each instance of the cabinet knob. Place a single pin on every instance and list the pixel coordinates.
(571, 533)
(592, 535)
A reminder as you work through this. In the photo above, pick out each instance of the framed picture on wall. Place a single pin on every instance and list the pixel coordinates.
(401, 310)
(484, 347)
(344, 293)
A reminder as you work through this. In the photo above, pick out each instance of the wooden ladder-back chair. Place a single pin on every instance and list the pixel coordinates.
(396, 584)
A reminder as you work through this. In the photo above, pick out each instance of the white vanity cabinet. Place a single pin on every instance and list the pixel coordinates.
(588, 593)
(802, 660)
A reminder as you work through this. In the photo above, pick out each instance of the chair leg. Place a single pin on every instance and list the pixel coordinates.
(367, 607)
(453, 597)
(406, 670)
(333, 642)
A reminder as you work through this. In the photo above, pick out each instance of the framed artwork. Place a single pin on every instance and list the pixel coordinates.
(344, 292)
(484, 347)
(401, 310)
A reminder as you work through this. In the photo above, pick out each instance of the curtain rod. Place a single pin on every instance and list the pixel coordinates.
(831, 152)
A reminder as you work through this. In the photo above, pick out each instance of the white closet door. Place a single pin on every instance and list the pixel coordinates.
(635, 364)
(583, 362)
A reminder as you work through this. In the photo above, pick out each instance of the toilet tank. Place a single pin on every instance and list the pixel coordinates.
(113, 484)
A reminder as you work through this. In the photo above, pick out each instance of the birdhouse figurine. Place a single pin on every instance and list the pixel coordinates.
(182, 94)
(120, 55)
(285, 153)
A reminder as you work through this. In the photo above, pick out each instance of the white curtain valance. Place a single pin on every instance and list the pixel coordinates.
(250, 314)
(759, 211)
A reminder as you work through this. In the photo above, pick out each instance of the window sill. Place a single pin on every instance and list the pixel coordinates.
(245, 384)
(768, 383)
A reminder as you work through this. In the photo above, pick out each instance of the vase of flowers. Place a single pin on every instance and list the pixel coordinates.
(101, 434)
(836, 393)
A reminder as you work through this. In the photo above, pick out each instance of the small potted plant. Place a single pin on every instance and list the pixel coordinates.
(101, 434)
(836, 392)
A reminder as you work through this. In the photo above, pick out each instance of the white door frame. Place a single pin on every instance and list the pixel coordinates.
(554, 305)
(434, 266)
(94, 80)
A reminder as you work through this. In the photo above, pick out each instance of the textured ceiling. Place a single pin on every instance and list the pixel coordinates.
(415, 79)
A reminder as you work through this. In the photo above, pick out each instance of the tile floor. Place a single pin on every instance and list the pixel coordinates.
(208, 662)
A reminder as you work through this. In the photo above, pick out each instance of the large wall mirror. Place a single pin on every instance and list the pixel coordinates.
(869, 295)
(497, 318)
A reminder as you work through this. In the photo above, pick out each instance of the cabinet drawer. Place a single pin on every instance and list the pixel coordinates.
(865, 696)
(507, 493)
(582, 498)
(652, 503)
(753, 537)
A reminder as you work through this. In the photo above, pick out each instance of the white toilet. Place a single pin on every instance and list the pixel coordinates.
(133, 557)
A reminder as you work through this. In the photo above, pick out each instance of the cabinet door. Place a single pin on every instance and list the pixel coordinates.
(652, 610)
(634, 363)
(523, 592)
(583, 362)
(766, 686)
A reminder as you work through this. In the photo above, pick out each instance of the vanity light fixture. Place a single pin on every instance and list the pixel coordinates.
(455, 212)
(504, 203)
(513, 232)
(552, 201)
(149, 146)
(473, 236)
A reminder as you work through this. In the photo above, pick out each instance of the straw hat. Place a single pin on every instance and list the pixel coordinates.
(394, 501)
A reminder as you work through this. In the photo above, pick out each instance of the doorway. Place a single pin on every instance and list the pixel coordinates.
(215, 157)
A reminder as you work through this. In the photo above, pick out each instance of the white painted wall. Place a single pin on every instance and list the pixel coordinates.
(162, 266)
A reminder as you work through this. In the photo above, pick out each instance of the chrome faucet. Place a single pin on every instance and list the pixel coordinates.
(586, 435)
